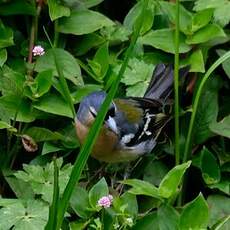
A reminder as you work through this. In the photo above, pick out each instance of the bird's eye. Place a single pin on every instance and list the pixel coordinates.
(93, 111)
(110, 113)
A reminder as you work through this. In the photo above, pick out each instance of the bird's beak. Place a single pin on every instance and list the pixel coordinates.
(111, 124)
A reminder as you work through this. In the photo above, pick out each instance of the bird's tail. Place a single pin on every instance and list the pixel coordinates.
(161, 83)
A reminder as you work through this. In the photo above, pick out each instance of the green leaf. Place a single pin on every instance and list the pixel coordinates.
(5, 125)
(225, 64)
(50, 148)
(168, 218)
(3, 56)
(169, 9)
(219, 208)
(18, 7)
(42, 134)
(87, 42)
(201, 19)
(99, 190)
(210, 169)
(207, 110)
(222, 224)
(12, 82)
(90, 3)
(31, 214)
(148, 222)
(221, 9)
(172, 180)
(6, 36)
(13, 105)
(42, 83)
(164, 39)
(221, 128)
(155, 171)
(69, 65)
(131, 19)
(101, 60)
(21, 189)
(195, 215)
(80, 202)
(41, 179)
(56, 10)
(83, 22)
(142, 188)
(206, 34)
(54, 104)
(195, 61)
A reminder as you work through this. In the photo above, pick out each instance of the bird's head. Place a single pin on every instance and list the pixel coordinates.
(90, 106)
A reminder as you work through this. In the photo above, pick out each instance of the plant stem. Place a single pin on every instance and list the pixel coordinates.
(56, 34)
(196, 102)
(176, 86)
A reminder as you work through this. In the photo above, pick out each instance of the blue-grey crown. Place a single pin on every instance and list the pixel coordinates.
(94, 100)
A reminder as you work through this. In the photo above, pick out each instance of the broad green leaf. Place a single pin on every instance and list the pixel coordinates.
(219, 207)
(99, 190)
(41, 83)
(41, 179)
(164, 39)
(137, 77)
(79, 202)
(195, 215)
(148, 222)
(225, 64)
(54, 104)
(13, 105)
(195, 62)
(83, 91)
(207, 110)
(222, 127)
(168, 217)
(131, 18)
(18, 7)
(210, 169)
(5, 125)
(206, 34)
(69, 64)
(126, 204)
(223, 185)
(91, 3)
(116, 34)
(78, 225)
(12, 82)
(56, 10)
(50, 148)
(169, 9)
(221, 9)
(31, 214)
(6, 36)
(101, 60)
(21, 189)
(87, 42)
(155, 171)
(42, 134)
(142, 188)
(201, 19)
(3, 56)
(172, 180)
(83, 22)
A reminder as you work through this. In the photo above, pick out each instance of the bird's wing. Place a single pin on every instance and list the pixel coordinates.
(139, 119)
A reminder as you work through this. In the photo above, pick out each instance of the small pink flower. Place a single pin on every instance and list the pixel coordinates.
(105, 201)
(38, 51)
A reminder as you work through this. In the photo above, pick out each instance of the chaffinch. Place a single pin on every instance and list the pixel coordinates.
(132, 125)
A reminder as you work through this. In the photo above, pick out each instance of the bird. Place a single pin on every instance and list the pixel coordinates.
(132, 125)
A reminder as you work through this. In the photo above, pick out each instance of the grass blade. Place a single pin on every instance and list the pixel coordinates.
(94, 131)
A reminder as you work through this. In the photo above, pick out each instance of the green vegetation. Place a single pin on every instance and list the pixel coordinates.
(54, 53)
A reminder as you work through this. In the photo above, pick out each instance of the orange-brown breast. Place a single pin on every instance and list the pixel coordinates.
(105, 146)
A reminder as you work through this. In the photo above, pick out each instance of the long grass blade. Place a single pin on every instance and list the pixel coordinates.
(94, 131)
